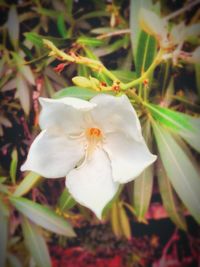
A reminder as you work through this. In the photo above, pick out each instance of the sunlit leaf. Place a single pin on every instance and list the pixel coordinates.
(135, 6)
(169, 200)
(27, 184)
(43, 216)
(74, 91)
(145, 52)
(36, 244)
(124, 75)
(151, 23)
(180, 170)
(186, 126)
(66, 201)
(13, 166)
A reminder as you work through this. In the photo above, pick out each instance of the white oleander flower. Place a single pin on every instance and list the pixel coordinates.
(96, 144)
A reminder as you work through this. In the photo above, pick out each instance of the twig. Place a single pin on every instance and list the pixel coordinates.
(181, 10)
(110, 34)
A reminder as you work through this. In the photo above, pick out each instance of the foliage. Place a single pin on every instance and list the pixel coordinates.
(107, 48)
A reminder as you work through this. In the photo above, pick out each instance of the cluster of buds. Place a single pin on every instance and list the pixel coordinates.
(95, 84)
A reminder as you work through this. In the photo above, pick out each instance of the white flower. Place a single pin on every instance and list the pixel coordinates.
(96, 144)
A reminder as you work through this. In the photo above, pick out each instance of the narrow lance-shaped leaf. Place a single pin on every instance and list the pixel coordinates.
(36, 244)
(186, 126)
(26, 184)
(180, 170)
(23, 92)
(74, 91)
(169, 200)
(13, 166)
(115, 220)
(43, 216)
(124, 221)
(143, 185)
(135, 6)
(4, 213)
(145, 52)
(66, 201)
(13, 25)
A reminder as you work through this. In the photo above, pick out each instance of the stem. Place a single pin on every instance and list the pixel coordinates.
(91, 63)
(110, 34)
(145, 75)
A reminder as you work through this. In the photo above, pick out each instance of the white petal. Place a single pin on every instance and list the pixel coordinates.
(67, 114)
(114, 114)
(53, 155)
(128, 157)
(91, 184)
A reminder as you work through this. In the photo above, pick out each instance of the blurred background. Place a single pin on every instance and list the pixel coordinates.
(154, 231)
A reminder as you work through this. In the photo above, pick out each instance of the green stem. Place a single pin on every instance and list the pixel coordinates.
(91, 63)
(145, 75)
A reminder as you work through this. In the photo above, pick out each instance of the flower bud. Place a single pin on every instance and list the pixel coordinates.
(82, 81)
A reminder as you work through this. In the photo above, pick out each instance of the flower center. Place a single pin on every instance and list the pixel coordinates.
(93, 133)
(94, 137)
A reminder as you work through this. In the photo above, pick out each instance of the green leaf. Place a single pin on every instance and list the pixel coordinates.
(145, 52)
(66, 201)
(13, 166)
(61, 26)
(4, 212)
(124, 75)
(75, 91)
(100, 76)
(89, 41)
(111, 48)
(36, 244)
(34, 38)
(26, 184)
(23, 93)
(37, 39)
(186, 126)
(124, 221)
(180, 170)
(169, 199)
(143, 184)
(48, 12)
(115, 220)
(135, 6)
(43, 216)
(119, 220)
